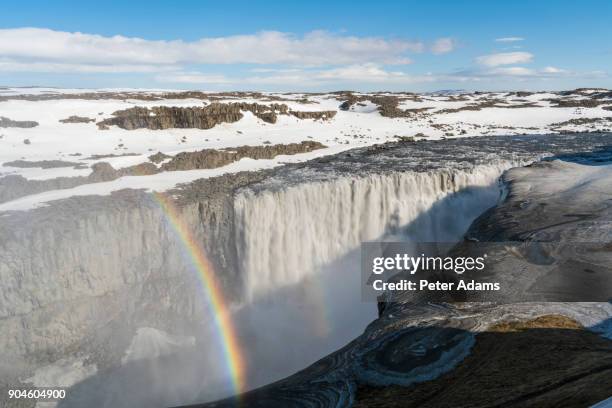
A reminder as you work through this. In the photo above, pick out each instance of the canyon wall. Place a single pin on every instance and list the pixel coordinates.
(82, 274)
(88, 271)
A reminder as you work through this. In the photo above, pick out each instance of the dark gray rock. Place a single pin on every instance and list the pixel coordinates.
(8, 123)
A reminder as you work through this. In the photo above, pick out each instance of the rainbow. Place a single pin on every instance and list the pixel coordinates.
(214, 294)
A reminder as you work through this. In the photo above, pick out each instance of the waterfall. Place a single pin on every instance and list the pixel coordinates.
(285, 235)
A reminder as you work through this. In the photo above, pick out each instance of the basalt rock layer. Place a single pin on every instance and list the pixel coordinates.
(77, 119)
(207, 117)
(8, 123)
(15, 186)
(213, 158)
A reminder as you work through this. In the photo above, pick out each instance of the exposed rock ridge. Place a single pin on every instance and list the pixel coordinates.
(8, 123)
(43, 164)
(77, 119)
(207, 117)
(212, 158)
(387, 104)
(15, 186)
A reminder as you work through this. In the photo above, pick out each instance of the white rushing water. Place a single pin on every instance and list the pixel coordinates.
(284, 236)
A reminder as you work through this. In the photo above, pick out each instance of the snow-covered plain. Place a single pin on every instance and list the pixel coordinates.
(362, 124)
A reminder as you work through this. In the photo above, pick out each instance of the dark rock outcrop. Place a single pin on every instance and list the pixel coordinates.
(8, 123)
(77, 119)
(15, 186)
(142, 169)
(316, 115)
(207, 117)
(489, 103)
(577, 103)
(43, 164)
(593, 93)
(158, 157)
(102, 172)
(581, 121)
(212, 158)
(108, 156)
(502, 362)
(161, 117)
(388, 105)
(522, 94)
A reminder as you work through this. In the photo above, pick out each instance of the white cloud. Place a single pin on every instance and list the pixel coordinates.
(553, 70)
(505, 58)
(368, 73)
(193, 78)
(522, 73)
(23, 46)
(316, 59)
(365, 72)
(511, 71)
(7, 65)
(443, 46)
(275, 70)
(509, 39)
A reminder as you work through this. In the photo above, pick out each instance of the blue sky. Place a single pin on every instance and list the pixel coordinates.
(307, 46)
